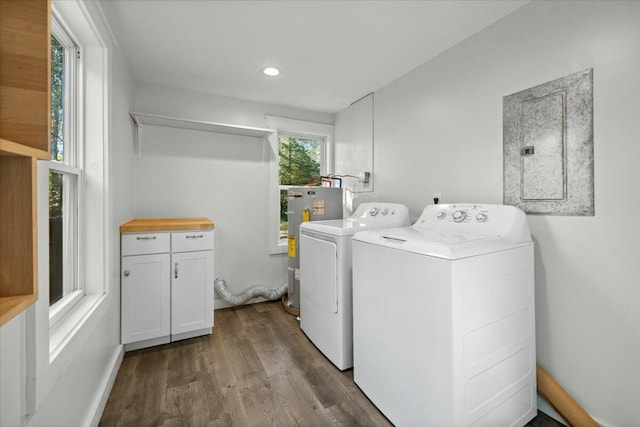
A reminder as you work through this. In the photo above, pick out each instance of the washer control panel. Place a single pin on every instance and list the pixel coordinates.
(473, 220)
(456, 214)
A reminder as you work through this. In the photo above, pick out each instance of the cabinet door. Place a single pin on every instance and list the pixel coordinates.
(146, 297)
(191, 291)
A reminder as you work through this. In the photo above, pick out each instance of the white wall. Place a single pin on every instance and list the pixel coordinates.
(77, 395)
(354, 145)
(438, 129)
(186, 173)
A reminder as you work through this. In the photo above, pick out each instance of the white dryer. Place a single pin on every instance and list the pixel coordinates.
(443, 318)
(325, 276)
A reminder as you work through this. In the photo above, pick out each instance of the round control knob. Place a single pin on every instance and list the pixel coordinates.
(441, 215)
(481, 217)
(459, 216)
(373, 211)
(384, 212)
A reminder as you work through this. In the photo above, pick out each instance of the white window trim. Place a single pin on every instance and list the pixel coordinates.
(55, 347)
(291, 127)
(58, 310)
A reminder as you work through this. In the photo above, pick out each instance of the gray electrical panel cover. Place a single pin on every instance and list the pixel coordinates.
(548, 147)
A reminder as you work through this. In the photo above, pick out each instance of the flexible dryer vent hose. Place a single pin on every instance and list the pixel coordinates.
(258, 291)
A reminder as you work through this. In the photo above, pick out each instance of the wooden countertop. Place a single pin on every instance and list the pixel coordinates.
(166, 224)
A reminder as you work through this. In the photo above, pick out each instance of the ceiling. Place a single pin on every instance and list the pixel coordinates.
(330, 53)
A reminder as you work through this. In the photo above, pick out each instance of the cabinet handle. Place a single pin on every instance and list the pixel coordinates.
(175, 270)
(194, 236)
(146, 238)
(126, 273)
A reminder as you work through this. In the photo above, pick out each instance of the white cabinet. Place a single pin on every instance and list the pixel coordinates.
(191, 283)
(167, 287)
(146, 298)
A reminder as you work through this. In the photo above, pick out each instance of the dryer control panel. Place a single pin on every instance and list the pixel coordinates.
(393, 214)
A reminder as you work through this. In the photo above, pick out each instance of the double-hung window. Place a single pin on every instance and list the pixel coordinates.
(65, 176)
(301, 162)
(301, 152)
(73, 209)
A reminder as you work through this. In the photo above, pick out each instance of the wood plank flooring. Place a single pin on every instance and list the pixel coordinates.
(256, 369)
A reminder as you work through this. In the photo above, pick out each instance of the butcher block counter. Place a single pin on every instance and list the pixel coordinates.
(166, 224)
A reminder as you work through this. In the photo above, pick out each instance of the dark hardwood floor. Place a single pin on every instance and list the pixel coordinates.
(256, 369)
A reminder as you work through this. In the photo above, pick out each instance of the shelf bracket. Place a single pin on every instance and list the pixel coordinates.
(138, 141)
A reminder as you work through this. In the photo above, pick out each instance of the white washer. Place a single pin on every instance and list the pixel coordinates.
(325, 276)
(443, 318)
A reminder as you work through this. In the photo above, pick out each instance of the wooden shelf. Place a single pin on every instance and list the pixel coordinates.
(9, 148)
(25, 48)
(18, 246)
(12, 306)
(174, 122)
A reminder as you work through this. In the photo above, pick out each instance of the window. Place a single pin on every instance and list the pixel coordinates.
(65, 174)
(74, 243)
(300, 153)
(301, 161)
(73, 184)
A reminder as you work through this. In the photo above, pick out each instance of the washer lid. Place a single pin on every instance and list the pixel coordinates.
(434, 242)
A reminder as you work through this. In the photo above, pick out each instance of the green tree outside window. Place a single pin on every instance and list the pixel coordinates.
(299, 164)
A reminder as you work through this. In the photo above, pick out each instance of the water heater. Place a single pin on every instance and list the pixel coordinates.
(307, 204)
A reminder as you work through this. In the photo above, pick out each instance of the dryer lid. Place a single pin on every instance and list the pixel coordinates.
(368, 216)
(336, 227)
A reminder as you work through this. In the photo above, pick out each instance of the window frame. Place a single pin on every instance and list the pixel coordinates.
(55, 347)
(73, 275)
(73, 93)
(323, 168)
(71, 169)
(58, 340)
(300, 129)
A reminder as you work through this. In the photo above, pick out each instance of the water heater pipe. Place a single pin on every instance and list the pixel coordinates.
(258, 291)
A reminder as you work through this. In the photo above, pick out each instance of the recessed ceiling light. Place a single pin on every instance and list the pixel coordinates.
(271, 71)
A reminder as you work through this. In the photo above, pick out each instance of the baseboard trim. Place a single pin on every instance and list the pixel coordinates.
(95, 414)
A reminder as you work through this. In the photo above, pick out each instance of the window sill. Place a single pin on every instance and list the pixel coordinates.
(60, 309)
(82, 317)
(280, 248)
(67, 339)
